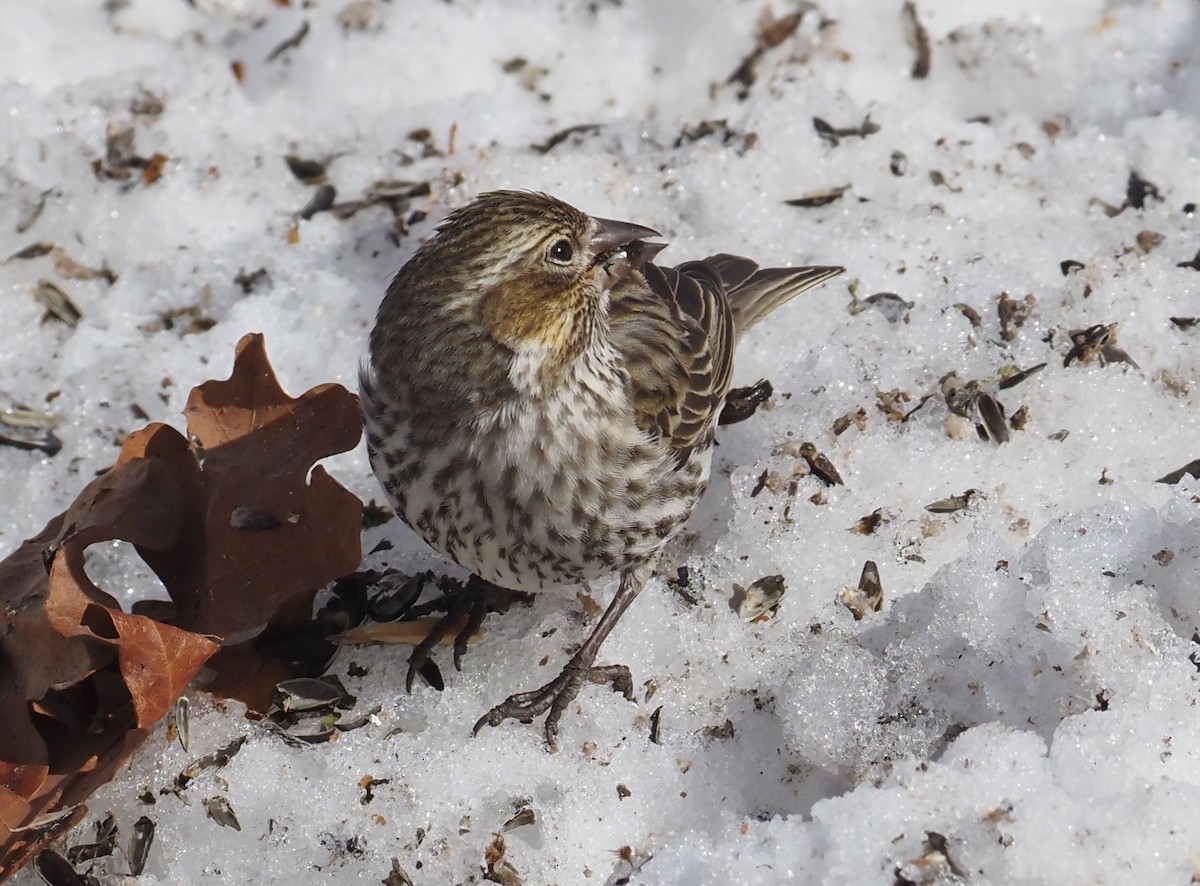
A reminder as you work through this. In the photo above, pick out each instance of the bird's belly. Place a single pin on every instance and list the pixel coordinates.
(530, 512)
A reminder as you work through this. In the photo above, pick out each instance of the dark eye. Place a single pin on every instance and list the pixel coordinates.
(561, 251)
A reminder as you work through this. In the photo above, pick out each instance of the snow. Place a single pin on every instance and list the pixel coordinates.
(1026, 693)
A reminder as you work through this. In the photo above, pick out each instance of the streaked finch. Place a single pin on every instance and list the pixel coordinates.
(541, 399)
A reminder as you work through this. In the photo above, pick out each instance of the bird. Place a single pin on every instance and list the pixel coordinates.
(540, 400)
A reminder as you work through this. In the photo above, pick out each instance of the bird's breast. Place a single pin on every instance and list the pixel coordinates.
(551, 490)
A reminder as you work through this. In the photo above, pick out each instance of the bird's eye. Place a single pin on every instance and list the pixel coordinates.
(561, 251)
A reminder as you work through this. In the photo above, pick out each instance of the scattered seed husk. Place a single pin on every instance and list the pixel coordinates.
(890, 402)
(311, 172)
(1148, 240)
(398, 876)
(868, 524)
(32, 210)
(104, 844)
(920, 403)
(858, 418)
(290, 43)
(57, 303)
(56, 870)
(119, 144)
(820, 465)
(759, 599)
(140, 842)
(322, 200)
(815, 199)
(146, 104)
(1107, 208)
(307, 694)
(396, 595)
(970, 313)
(656, 725)
(992, 426)
(69, 269)
(396, 194)
(1138, 190)
(397, 189)
(868, 596)
(181, 721)
(937, 843)
(33, 250)
(1012, 378)
(770, 33)
(496, 869)
(967, 400)
(563, 134)
(741, 403)
(720, 732)
(1013, 313)
(1194, 264)
(221, 812)
(524, 817)
(953, 503)
(834, 134)
(918, 40)
(1019, 419)
(27, 429)
(938, 178)
(1070, 266)
(1097, 342)
(741, 142)
(47, 822)
(368, 783)
(891, 305)
(218, 759)
(410, 632)
(366, 718)
(898, 163)
(1058, 436)
(1184, 322)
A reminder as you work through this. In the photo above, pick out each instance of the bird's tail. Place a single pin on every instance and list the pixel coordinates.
(755, 292)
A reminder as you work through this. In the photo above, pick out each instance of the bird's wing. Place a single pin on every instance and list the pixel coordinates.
(753, 292)
(676, 336)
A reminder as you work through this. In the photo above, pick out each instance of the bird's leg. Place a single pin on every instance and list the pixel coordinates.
(474, 600)
(561, 691)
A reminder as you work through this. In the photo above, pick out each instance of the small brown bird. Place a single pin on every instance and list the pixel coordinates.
(541, 399)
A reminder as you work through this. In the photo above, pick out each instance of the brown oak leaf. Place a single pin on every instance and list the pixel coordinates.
(241, 529)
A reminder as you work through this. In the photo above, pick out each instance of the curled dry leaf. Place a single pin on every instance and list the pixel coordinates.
(83, 682)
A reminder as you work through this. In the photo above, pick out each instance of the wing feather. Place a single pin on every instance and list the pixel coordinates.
(677, 329)
(676, 335)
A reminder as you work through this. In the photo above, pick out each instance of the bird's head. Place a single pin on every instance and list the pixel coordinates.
(532, 269)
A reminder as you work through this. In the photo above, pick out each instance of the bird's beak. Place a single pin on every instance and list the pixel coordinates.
(612, 235)
(618, 249)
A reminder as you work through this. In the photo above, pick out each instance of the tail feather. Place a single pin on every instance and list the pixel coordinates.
(755, 293)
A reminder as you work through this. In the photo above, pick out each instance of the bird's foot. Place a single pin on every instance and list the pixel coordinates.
(555, 696)
(471, 600)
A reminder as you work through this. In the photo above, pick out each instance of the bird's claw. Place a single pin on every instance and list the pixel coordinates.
(474, 601)
(554, 698)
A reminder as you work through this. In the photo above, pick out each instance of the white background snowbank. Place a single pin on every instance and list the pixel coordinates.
(1026, 692)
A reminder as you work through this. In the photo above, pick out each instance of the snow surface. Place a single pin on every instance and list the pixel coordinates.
(1026, 692)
